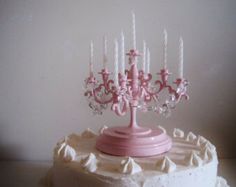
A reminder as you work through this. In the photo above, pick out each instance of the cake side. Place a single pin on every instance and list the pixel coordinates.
(72, 176)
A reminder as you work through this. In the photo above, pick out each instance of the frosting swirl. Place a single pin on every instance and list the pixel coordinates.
(89, 163)
(129, 166)
(166, 165)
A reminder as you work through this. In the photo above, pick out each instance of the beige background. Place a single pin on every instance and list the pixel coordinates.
(44, 60)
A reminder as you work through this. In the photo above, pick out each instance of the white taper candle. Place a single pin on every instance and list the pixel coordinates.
(133, 30)
(181, 57)
(104, 52)
(122, 51)
(91, 59)
(116, 63)
(165, 48)
(148, 60)
(144, 56)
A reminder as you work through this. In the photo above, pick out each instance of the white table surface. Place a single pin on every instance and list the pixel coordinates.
(28, 173)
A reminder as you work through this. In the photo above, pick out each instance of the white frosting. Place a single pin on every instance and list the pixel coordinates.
(88, 133)
(166, 165)
(191, 137)
(110, 171)
(65, 152)
(207, 144)
(102, 129)
(200, 140)
(221, 182)
(162, 128)
(129, 166)
(89, 163)
(193, 159)
(207, 153)
(177, 133)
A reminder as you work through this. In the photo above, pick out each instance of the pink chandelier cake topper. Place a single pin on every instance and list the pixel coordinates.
(131, 90)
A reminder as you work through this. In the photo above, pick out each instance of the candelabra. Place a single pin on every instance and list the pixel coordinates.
(134, 90)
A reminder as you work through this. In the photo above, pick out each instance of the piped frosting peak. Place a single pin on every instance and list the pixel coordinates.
(221, 182)
(200, 140)
(65, 152)
(166, 165)
(102, 129)
(89, 163)
(207, 153)
(162, 128)
(209, 145)
(191, 137)
(177, 133)
(88, 133)
(129, 166)
(193, 159)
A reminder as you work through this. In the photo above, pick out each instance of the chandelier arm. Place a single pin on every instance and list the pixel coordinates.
(142, 92)
(110, 84)
(150, 93)
(97, 99)
(147, 95)
(117, 108)
(183, 95)
(170, 89)
(161, 86)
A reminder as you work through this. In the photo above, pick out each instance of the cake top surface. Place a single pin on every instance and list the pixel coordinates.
(188, 151)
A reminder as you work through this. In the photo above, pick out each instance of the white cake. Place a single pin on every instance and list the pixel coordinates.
(192, 162)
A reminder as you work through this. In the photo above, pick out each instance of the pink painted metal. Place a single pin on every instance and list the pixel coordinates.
(134, 92)
(133, 141)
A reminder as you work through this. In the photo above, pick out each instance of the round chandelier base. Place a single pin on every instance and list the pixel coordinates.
(137, 142)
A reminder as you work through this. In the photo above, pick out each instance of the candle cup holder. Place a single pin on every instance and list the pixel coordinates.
(134, 92)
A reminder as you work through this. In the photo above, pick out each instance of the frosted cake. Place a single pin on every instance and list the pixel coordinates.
(192, 161)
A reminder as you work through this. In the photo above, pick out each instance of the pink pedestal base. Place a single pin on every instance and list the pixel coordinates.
(138, 142)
